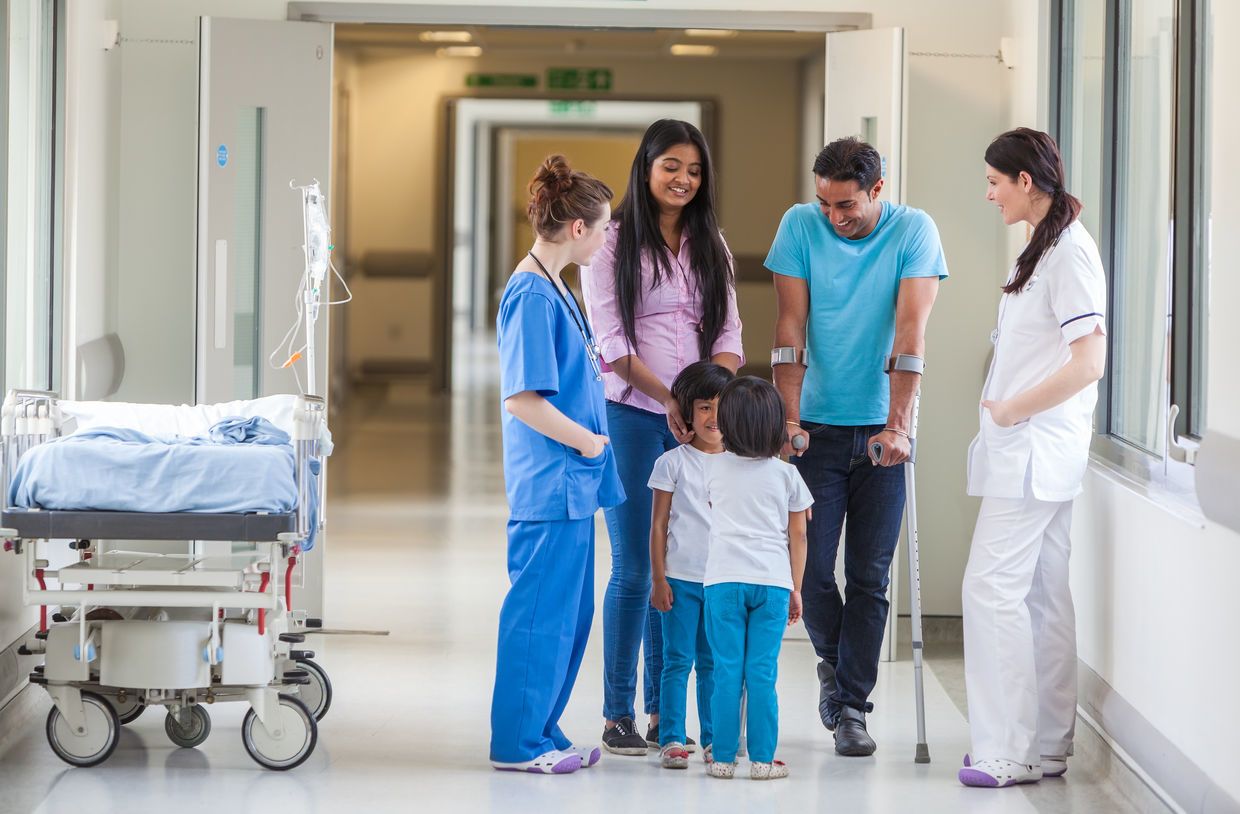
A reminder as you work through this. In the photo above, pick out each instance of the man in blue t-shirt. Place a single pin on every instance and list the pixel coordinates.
(855, 279)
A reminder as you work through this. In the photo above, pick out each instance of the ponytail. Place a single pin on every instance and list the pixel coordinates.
(1035, 152)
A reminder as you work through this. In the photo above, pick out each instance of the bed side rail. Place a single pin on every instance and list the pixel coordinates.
(28, 418)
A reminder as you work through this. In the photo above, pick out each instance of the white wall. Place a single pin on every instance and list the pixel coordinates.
(1156, 595)
(956, 105)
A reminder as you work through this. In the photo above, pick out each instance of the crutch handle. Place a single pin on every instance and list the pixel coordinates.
(876, 452)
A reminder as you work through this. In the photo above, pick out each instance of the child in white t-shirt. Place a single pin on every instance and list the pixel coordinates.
(679, 537)
(753, 571)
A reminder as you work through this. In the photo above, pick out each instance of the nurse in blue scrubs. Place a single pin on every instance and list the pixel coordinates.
(558, 470)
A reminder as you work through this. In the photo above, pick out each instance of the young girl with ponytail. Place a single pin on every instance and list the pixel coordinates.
(1027, 464)
(558, 471)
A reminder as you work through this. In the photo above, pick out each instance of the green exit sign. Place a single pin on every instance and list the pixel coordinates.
(596, 79)
(501, 80)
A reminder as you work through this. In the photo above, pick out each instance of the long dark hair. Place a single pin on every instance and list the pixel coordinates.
(638, 219)
(1034, 152)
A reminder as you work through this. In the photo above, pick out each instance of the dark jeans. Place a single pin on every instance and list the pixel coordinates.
(866, 502)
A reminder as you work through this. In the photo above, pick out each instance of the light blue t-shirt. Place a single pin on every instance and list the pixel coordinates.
(853, 285)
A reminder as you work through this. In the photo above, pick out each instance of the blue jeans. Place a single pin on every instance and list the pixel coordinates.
(746, 624)
(685, 647)
(867, 503)
(638, 438)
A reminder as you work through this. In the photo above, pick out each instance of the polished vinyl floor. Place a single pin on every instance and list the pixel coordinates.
(416, 550)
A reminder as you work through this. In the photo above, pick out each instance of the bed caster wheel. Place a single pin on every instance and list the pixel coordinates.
(317, 693)
(129, 710)
(292, 638)
(297, 730)
(93, 745)
(190, 728)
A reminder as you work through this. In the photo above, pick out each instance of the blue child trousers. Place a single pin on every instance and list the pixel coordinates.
(745, 624)
(685, 648)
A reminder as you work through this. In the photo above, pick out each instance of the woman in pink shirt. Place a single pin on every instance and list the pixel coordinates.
(660, 295)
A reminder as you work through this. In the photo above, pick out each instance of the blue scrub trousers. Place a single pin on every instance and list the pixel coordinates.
(630, 622)
(685, 647)
(745, 624)
(543, 627)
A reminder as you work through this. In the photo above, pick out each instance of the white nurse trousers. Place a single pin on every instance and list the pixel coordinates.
(1020, 631)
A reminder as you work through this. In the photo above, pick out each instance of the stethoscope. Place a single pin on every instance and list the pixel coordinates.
(583, 326)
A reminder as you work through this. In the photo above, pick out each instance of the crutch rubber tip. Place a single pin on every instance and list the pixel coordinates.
(923, 754)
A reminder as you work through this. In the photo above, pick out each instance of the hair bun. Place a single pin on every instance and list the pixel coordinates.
(554, 177)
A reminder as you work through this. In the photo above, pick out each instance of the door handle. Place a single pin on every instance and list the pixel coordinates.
(221, 294)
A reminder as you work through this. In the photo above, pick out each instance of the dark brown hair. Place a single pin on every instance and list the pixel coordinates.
(559, 195)
(1034, 152)
(850, 159)
(701, 380)
(638, 219)
(751, 418)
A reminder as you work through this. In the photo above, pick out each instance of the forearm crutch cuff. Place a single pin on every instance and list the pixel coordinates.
(787, 356)
(906, 363)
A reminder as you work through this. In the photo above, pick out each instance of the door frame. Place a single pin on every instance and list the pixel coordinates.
(446, 183)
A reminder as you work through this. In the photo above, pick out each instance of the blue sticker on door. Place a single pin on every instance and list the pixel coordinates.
(221, 155)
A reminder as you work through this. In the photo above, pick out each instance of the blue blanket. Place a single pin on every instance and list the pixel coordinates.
(244, 465)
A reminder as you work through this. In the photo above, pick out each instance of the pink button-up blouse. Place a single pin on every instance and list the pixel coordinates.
(666, 320)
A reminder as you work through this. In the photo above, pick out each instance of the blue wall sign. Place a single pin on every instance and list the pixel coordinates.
(221, 155)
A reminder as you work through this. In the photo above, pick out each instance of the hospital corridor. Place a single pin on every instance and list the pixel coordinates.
(368, 369)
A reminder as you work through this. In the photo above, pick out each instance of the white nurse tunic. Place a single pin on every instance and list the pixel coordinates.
(1019, 622)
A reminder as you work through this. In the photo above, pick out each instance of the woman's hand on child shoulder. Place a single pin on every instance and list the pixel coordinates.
(661, 595)
(794, 608)
(595, 447)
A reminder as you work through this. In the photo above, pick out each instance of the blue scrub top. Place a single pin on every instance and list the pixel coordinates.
(541, 349)
(853, 285)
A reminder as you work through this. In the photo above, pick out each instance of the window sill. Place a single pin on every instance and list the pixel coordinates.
(1165, 484)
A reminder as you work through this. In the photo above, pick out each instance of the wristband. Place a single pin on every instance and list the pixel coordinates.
(897, 431)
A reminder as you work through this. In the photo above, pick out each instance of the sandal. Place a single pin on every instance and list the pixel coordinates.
(997, 773)
(768, 771)
(589, 755)
(674, 756)
(724, 771)
(553, 762)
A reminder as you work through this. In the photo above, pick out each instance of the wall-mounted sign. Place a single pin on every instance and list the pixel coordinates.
(501, 80)
(573, 109)
(221, 156)
(595, 79)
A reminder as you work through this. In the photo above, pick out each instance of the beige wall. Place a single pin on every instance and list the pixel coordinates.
(397, 163)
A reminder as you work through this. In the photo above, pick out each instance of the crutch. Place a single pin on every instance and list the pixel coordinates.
(914, 585)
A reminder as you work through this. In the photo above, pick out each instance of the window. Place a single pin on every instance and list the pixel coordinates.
(1130, 111)
(29, 340)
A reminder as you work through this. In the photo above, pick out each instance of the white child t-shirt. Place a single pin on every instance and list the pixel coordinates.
(750, 499)
(682, 471)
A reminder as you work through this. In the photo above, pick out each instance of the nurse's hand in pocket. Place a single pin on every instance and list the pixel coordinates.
(895, 447)
(661, 595)
(794, 608)
(597, 444)
(676, 422)
(1001, 413)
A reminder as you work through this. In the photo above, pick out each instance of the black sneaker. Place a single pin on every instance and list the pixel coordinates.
(622, 739)
(652, 740)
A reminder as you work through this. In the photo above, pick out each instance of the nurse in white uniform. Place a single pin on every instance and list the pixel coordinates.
(1027, 464)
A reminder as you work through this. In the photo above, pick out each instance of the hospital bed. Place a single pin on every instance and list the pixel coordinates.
(173, 608)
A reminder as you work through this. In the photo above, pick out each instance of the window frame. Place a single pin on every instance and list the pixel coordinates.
(55, 179)
(1188, 281)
